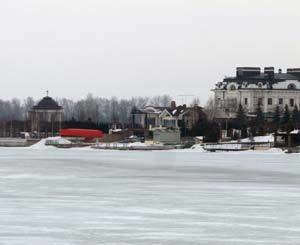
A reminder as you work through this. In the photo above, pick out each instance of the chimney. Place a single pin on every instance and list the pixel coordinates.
(247, 71)
(173, 104)
(269, 71)
(294, 71)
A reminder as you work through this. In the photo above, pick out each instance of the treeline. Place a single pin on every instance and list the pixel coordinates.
(261, 124)
(243, 126)
(92, 108)
(15, 109)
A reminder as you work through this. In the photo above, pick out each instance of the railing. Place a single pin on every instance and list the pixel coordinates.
(242, 146)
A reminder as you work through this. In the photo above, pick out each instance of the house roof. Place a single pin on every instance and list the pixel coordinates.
(47, 103)
(175, 112)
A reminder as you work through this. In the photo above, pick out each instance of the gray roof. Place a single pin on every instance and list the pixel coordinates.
(47, 103)
(278, 77)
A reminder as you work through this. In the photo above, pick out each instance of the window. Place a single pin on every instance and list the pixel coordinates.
(270, 101)
(291, 86)
(260, 84)
(292, 102)
(232, 87)
(280, 101)
(260, 101)
(246, 101)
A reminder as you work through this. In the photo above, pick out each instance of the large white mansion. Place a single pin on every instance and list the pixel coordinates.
(252, 87)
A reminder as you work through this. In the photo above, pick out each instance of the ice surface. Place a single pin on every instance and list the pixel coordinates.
(74, 196)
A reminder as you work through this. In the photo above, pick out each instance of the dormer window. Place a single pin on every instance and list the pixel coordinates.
(291, 86)
(260, 85)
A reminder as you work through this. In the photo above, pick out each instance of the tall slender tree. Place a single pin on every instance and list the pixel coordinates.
(259, 121)
(241, 121)
(240, 117)
(276, 116)
(286, 115)
(296, 115)
(287, 122)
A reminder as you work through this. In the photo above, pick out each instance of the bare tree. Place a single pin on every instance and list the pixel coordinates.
(195, 102)
(210, 109)
(161, 100)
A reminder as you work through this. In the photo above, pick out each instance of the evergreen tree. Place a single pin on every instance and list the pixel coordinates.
(276, 117)
(259, 121)
(296, 115)
(288, 125)
(286, 115)
(259, 115)
(211, 132)
(241, 119)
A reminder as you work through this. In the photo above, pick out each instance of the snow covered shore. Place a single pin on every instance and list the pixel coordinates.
(41, 145)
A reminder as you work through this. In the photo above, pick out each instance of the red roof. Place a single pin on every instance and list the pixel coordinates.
(78, 132)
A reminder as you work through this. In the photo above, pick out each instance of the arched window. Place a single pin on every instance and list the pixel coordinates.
(291, 86)
(260, 84)
(232, 87)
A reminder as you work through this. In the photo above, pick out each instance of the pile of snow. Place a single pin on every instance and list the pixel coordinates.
(48, 142)
(39, 145)
(275, 150)
(118, 130)
(198, 148)
(137, 144)
(271, 150)
(263, 139)
(296, 131)
(57, 141)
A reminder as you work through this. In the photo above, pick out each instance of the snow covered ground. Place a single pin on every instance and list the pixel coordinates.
(86, 196)
(264, 139)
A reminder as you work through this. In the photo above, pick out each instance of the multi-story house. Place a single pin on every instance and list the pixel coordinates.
(252, 88)
(152, 117)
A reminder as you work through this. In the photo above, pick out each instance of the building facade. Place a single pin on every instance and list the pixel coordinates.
(252, 87)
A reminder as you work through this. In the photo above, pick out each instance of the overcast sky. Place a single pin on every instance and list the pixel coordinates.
(129, 48)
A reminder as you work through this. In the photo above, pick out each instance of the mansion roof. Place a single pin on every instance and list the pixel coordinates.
(254, 78)
(254, 74)
(278, 77)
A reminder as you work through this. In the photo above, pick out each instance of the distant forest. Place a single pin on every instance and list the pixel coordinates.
(92, 108)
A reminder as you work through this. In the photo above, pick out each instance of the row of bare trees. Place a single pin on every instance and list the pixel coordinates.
(113, 110)
(15, 109)
(93, 108)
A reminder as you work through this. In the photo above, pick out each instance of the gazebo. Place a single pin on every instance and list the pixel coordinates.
(46, 117)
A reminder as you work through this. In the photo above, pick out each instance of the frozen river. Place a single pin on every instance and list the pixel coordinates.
(62, 197)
